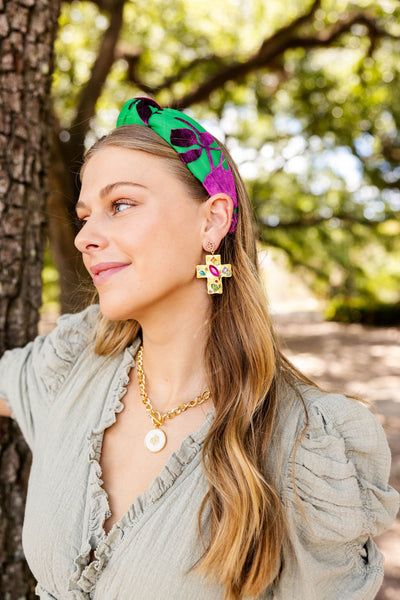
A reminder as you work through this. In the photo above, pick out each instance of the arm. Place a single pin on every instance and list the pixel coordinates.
(340, 499)
(31, 376)
(4, 410)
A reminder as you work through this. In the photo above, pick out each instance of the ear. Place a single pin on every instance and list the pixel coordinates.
(218, 217)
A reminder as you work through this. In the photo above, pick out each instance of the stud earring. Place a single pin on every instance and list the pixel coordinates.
(210, 247)
(213, 271)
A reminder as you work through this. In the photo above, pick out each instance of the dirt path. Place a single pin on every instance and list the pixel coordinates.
(363, 361)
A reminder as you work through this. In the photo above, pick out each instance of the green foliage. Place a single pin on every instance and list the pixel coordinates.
(315, 130)
(360, 310)
(80, 28)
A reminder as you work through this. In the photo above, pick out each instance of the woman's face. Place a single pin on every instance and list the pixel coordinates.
(141, 235)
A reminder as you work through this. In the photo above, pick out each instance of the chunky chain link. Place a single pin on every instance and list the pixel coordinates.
(155, 415)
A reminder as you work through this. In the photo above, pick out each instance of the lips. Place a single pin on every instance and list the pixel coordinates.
(103, 271)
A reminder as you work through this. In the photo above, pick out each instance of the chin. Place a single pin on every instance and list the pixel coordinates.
(114, 312)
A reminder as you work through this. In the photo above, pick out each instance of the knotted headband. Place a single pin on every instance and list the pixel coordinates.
(195, 146)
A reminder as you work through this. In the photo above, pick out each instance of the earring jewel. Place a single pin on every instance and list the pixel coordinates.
(210, 247)
(213, 271)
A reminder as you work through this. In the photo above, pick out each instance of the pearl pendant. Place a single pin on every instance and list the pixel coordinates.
(155, 440)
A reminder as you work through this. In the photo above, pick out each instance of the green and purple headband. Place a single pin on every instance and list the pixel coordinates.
(196, 147)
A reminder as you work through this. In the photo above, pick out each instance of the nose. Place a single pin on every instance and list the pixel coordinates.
(91, 237)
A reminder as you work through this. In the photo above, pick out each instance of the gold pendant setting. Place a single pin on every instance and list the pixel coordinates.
(155, 440)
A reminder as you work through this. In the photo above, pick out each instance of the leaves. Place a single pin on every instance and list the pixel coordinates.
(190, 155)
(144, 110)
(206, 139)
(309, 104)
(219, 174)
(183, 138)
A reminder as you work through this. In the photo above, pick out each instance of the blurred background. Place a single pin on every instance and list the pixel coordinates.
(306, 95)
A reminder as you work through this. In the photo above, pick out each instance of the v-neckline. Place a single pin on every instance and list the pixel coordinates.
(98, 545)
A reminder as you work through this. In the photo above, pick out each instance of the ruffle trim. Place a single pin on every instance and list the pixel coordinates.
(87, 574)
(99, 509)
(63, 345)
(337, 467)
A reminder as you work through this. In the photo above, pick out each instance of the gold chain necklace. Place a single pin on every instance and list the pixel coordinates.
(156, 439)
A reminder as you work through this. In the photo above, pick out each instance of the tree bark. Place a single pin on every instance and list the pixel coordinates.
(27, 32)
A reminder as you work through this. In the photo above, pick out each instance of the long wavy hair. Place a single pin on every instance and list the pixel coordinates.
(245, 370)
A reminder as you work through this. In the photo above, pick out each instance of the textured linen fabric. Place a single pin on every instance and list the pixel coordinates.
(64, 397)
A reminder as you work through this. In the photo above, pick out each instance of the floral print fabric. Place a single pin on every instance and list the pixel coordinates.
(196, 147)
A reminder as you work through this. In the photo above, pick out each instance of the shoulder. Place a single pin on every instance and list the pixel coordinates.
(31, 377)
(76, 328)
(332, 466)
(337, 421)
(347, 427)
(82, 321)
(55, 354)
(336, 467)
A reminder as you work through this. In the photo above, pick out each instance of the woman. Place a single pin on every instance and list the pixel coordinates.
(176, 453)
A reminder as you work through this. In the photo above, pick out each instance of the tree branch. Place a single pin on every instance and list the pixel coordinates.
(168, 82)
(274, 47)
(92, 90)
(227, 72)
(285, 33)
(295, 260)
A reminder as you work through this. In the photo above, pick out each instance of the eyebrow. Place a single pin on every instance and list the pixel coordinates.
(105, 191)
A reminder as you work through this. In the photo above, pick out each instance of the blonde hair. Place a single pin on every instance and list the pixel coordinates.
(245, 368)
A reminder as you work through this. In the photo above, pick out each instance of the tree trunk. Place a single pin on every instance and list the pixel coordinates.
(27, 32)
(67, 157)
(75, 283)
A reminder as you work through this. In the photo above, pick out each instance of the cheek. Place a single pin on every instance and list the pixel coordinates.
(161, 245)
(165, 263)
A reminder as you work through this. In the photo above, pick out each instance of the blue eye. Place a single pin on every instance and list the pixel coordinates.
(118, 203)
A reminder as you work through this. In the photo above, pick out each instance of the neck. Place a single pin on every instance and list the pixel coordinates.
(173, 355)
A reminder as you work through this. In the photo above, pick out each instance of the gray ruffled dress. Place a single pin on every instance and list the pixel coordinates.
(64, 396)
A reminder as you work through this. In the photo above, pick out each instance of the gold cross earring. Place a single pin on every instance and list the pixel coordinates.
(213, 270)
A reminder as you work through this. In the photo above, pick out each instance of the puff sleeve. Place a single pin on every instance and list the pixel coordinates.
(337, 498)
(30, 377)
